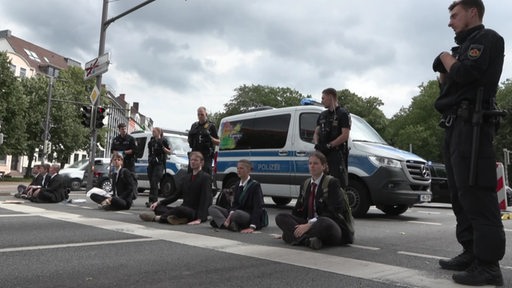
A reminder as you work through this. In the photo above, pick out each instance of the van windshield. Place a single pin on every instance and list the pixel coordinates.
(179, 145)
(362, 131)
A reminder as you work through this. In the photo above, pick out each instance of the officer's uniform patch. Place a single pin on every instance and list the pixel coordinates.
(475, 51)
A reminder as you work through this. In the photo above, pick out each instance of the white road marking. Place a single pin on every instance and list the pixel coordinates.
(437, 257)
(428, 212)
(309, 259)
(15, 215)
(75, 245)
(364, 247)
(426, 223)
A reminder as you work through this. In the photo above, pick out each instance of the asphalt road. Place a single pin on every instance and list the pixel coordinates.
(79, 245)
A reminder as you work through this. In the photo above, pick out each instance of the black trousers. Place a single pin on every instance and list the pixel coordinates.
(479, 227)
(337, 168)
(116, 203)
(324, 229)
(178, 211)
(155, 174)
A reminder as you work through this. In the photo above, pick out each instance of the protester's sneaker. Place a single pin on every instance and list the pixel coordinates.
(148, 217)
(460, 262)
(173, 220)
(313, 243)
(480, 274)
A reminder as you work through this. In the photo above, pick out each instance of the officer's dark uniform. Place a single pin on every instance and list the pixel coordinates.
(121, 144)
(331, 124)
(156, 165)
(480, 60)
(199, 140)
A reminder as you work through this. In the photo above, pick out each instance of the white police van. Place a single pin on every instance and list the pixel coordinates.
(278, 143)
(175, 166)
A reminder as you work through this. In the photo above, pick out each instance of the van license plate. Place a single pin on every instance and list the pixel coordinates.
(425, 198)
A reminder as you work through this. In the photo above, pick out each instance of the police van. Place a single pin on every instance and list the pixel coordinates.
(175, 166)
(279, 141)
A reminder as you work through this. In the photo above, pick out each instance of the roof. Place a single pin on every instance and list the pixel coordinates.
(37, 56)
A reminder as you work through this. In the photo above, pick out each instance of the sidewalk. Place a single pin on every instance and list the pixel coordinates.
(9, 187)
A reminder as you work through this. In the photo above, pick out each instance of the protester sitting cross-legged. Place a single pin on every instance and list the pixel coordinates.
(321, 215)
(37, 181)
(246, 214)
(124, 186)
(54, 189)
(197, 197)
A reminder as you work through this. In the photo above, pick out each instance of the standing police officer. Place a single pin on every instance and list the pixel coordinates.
(331, 135)
(125, 145)
(203, 137)
(158, 148)
(472, 69)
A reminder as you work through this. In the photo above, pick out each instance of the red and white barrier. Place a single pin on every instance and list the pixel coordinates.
(500, 186)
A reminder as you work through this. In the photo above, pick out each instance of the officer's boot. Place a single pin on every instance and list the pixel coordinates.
(460, 262)
(480, 273)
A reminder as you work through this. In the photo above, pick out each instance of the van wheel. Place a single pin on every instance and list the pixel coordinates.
(393, 210)
(167, 187)
(358, 198)
(281, 201)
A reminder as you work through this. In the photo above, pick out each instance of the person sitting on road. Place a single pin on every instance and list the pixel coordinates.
(54, 190)
(321, 215)
(37, 180)
(197, 196)
(246, 213)
(123, 188)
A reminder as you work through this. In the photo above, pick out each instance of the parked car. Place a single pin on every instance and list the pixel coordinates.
(74, 174)
(101, 174)
(439, 185)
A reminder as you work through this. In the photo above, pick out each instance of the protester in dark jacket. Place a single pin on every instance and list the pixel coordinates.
(321, 215)
(123, 186)
(246, 213)
(197, 197)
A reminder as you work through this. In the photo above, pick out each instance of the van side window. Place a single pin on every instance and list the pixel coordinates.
(307, 125)
(141, 145)
(258, 133)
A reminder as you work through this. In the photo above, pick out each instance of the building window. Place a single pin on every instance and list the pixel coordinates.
(3, 159)
(32, 55)
(13, 69)
(23, 72)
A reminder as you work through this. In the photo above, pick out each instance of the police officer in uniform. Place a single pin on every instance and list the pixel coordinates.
(472, 68)
(331, 135)
(203, 137)
(125, 145)
(158, 147)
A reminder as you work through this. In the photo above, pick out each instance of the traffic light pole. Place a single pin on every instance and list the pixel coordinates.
(46, 134)
(103, 29)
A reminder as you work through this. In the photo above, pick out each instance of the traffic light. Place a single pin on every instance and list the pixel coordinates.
(100, 115)
(86, 116)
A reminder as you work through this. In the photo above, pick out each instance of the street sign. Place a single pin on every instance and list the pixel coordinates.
(97, 66)
(94, 95)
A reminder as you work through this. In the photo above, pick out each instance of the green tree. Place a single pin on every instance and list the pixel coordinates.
(417, 125)
(12, 107)
(367, 108)
(503, 138)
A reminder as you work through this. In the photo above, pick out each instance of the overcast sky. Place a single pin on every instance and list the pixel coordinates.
(172, 56)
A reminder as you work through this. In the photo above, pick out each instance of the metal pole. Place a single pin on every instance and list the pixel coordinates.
(47, 121)
(506, 162)
(103, 29)
(101, 51)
